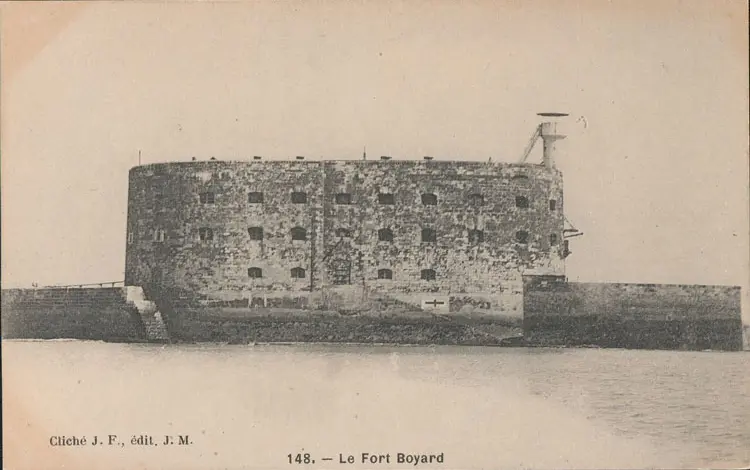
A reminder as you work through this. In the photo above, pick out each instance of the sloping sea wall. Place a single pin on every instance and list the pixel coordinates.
(638, 316)
(102, 313)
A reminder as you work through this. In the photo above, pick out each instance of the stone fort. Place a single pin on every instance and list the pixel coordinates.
(344, 234)
(365, 251)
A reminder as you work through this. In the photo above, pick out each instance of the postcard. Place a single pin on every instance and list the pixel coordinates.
(375, 235)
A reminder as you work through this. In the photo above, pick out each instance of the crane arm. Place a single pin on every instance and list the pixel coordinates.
(530, 145)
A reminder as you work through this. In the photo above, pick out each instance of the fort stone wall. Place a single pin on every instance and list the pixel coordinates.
(356, 234)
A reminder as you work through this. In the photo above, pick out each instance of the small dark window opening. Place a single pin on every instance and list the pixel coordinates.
(385, 274)
(206, 234)
(522, 202)
(130, 238)
(476, 236)
(255, 197)
(386, 198)
(520, 177)
(522, 236)
(429, 235)
(429, 199)
(343, 198)
(428, 274)
(254, 273)
(206, 198)
(299, 198)
(298, 233)
(552, 204)
(256, 233)
(298, 273)
(159, 235)
(553, 239)
(343, 232)
(158, 197)
(476, 199)
(385, 235)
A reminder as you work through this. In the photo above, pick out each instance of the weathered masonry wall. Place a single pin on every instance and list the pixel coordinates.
(343, 232)
(649, 316)
(94, 314)
(166, 200)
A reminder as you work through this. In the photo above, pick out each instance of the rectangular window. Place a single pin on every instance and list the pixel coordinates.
(552, 204)
(299, 198)
(385, 235)
(205, 234)
(476, 237)
(386, 198)
(256, 233)
(343, 198)
(429, 235)
(476, 199)
(206, 197)
(428, 274)
(429, 199)
(299, 233)
(385, 274)
(255, 197)
(522, 202)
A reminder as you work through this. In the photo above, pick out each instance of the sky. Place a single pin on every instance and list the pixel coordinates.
(655, 163)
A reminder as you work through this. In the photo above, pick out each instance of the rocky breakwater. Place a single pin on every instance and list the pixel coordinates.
(241, 325)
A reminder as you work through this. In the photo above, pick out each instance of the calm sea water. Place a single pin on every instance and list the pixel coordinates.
(251, 406)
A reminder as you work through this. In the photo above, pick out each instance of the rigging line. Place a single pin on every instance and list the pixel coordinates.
(531, 143)
(569, 222)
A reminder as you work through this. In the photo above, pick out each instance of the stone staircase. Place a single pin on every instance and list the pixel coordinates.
(153, 323)
(156, 330)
